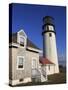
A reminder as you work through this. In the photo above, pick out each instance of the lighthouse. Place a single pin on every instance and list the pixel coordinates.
(49, 42)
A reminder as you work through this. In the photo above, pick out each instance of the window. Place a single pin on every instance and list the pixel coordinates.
(51, 28)
(20, 62)
(50, 34)
(34, 63)
(22, 40)
(47, 28)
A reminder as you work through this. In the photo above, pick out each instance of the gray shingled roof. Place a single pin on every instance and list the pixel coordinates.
(13, 38)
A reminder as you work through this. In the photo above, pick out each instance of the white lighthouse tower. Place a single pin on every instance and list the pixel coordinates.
(49, 42)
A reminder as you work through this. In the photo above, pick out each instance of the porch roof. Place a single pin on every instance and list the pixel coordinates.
(45, 61)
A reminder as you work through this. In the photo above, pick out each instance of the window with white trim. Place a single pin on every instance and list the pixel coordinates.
(34, 63)
(22, 40)
(20, 62)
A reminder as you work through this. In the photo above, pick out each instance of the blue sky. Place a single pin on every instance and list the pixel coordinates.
(29, 18)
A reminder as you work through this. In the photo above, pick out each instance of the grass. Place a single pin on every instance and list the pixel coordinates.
(57, 78)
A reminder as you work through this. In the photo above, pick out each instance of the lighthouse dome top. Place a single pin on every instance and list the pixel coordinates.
(48, 20)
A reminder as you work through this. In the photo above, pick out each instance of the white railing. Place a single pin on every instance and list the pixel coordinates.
(36, 73)
(44, 73)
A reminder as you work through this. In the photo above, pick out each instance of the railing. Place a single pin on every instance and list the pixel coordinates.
(35, 72)
(36, 75)
(43, 73)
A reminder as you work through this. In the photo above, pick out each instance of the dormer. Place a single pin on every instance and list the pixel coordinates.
(22, 38)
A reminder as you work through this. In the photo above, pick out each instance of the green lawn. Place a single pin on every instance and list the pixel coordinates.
(57, 78)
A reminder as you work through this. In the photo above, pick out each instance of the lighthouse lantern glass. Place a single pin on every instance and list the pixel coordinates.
(51, 28)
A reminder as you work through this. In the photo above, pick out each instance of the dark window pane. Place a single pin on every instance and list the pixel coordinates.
(21, 79)
(50, 34)
(20, 63)
(20, 66)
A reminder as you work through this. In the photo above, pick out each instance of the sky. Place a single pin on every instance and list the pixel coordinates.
(30, 18)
